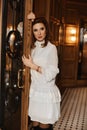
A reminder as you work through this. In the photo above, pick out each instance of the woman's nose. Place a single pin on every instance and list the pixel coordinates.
(39, 32)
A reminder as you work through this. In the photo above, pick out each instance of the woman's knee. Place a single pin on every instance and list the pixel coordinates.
(44, 125)
(35, 123)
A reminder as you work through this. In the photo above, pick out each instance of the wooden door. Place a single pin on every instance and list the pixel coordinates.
(69, 57)
(8, 79)
(69, 48)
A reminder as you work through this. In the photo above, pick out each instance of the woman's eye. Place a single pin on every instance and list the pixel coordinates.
(35, 30)
(42, 28)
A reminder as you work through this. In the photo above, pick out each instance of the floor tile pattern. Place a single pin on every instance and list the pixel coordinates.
(73, 110)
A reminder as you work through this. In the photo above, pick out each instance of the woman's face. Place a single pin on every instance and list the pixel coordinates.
(39, 31)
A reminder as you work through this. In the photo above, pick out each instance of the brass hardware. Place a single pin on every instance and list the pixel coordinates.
(21, 74)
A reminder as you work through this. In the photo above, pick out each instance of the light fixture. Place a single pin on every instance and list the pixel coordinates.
(71, 32)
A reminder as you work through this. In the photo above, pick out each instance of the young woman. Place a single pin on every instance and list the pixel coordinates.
(44, 96)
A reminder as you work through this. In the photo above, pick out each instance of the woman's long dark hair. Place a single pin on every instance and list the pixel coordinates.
(44, 21)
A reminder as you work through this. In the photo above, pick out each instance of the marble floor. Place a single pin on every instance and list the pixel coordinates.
(73, 110)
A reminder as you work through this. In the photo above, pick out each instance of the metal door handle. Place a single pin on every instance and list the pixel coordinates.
(21, 74)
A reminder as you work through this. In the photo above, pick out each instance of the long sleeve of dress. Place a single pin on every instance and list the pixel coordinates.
(51, 69)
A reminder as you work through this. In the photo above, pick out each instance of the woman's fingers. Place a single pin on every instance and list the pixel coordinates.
(27, 61)
(29, 56)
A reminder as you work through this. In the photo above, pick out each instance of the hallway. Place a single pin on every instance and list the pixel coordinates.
(73, 110)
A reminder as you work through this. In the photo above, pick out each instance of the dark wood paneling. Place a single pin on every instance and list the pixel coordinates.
(68, 53)
(41, 8)
(71, 16)
(68, 63)
(68, 70)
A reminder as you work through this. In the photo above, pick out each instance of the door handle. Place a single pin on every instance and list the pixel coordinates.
(21, 75)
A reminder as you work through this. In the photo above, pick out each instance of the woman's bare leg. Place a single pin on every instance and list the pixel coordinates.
(44, 125)
(35, 123)
(40, 126)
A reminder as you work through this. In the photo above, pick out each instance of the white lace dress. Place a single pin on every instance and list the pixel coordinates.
(44, 97)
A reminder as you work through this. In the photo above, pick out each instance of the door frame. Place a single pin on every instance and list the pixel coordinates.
(25, 90)
(0, 63)
(3, 16)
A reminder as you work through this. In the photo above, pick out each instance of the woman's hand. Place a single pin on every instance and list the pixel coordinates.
(27, 61)
(31, 16)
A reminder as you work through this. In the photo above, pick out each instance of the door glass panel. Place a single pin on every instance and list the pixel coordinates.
(13, 75)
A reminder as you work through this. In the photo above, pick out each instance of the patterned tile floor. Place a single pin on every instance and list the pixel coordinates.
(73, 110)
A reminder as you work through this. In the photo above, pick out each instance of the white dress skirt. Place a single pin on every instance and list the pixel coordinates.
(44, 96)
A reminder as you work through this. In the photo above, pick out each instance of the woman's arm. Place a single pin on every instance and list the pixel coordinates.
(29, 63)
(51, 69)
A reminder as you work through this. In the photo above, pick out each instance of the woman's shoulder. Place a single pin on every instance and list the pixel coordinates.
(51, 45)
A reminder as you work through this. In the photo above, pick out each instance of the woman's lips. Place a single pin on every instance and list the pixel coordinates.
(40, 37)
